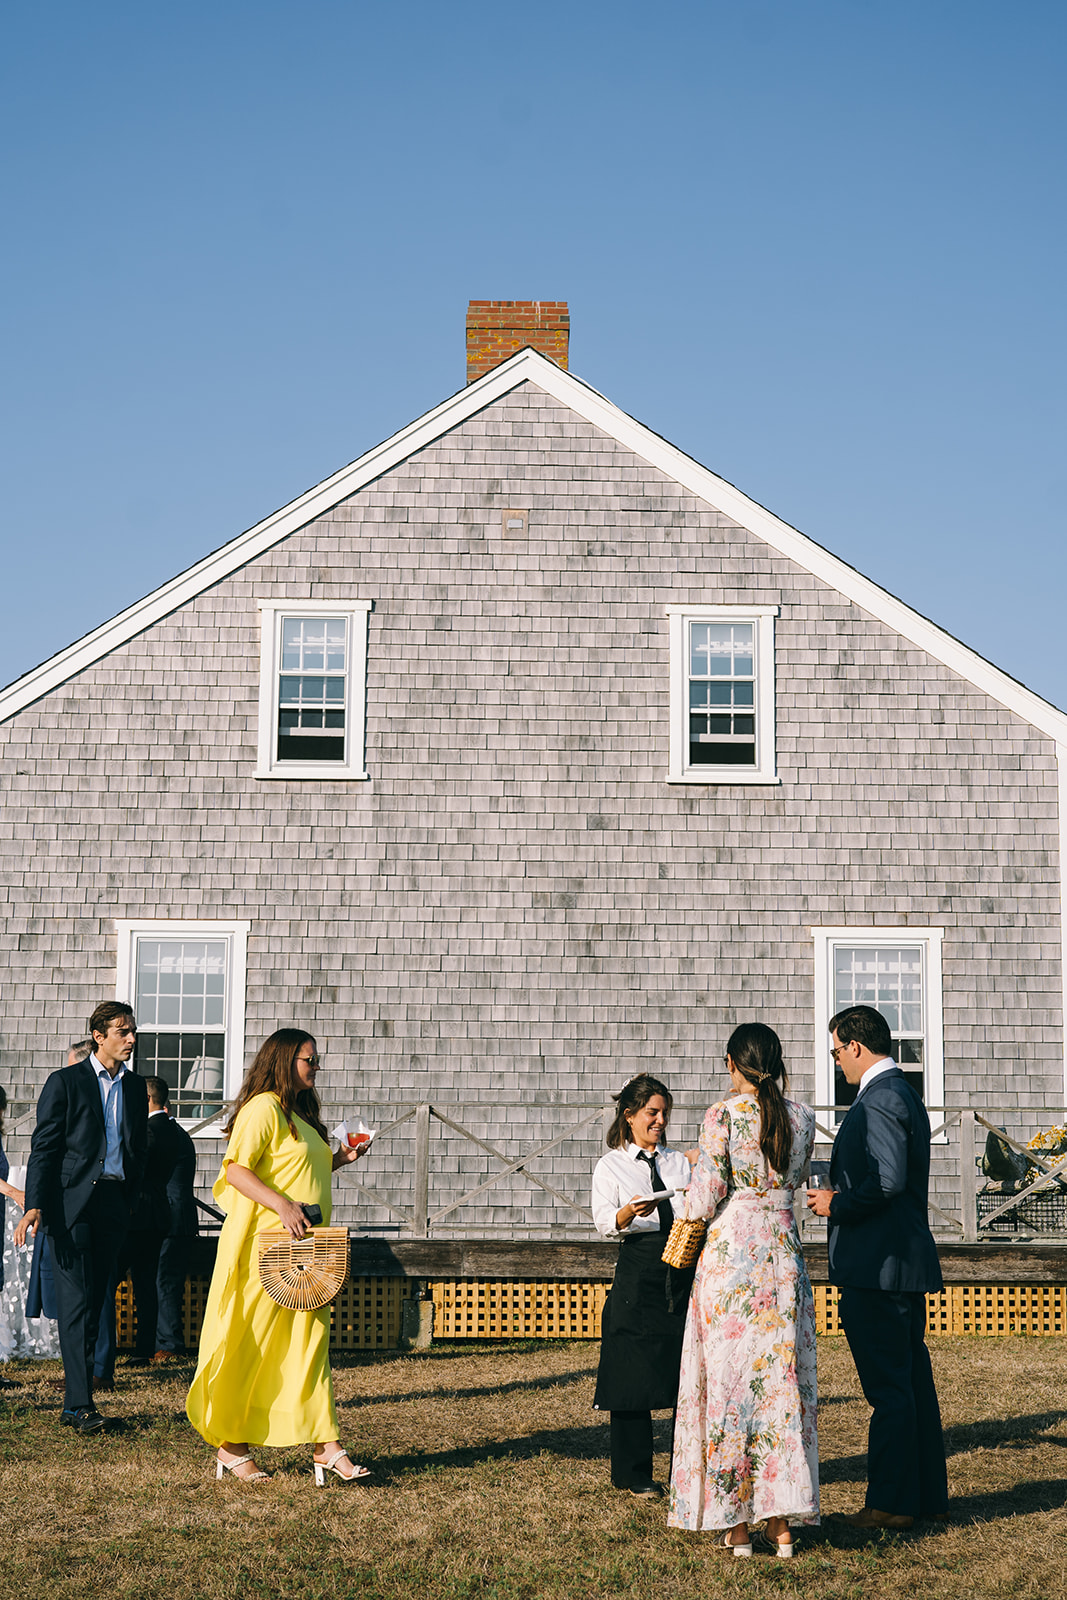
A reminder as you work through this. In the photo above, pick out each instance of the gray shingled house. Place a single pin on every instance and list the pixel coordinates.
(521, 755)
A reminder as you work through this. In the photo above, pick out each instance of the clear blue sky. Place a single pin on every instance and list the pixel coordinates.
(819, 246)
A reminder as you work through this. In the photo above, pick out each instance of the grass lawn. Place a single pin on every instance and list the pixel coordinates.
(491, 1481)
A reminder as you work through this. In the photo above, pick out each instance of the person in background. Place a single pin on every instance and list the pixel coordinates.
(884, 1261)
(7, 1192)
(82, 1180)
(644, 1314)
(182, 1229)
(41, 1289)
(263, 1372)
(150, 1223)
(745, 1446)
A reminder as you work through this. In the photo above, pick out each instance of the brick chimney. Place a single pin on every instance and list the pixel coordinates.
(496, 329)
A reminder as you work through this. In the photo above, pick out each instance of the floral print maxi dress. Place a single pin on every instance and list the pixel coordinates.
(745, 1444)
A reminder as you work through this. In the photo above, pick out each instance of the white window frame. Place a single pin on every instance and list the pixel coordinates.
(762, 618)
(236, 935)
(930, 940)
(356, 614)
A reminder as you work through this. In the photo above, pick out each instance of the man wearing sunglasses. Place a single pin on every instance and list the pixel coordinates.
(884, 1262)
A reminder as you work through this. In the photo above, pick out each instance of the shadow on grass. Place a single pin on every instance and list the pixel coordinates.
(1042, 1494)
(575, 1444)
(991, 1433)
(560, 1380)
(1025, 1499)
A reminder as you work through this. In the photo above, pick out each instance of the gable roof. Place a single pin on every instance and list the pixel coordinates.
(529, 366)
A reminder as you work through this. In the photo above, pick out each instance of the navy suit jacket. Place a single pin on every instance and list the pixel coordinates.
(69, 1143)
(184, 1217)
(152, 1211)
(879, 1233)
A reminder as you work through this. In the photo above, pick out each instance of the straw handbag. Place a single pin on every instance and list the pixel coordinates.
(685, 1241)
(303, 1274)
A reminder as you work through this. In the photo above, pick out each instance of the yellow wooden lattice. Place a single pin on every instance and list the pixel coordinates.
(364, 1316)
(975, 1308)
(466, 1308)
(367, 1312)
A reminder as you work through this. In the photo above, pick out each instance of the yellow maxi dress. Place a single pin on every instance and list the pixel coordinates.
(263, 1375)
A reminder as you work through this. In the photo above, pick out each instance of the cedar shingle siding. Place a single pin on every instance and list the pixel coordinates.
(516, 907)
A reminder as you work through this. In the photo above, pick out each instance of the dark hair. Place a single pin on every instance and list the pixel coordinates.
(107, 1012)
(158, 1090)
(863, 1025)
(756, 1052)
(272, 1072)
(630, 1098)
(3, 1108)
(82, 1047)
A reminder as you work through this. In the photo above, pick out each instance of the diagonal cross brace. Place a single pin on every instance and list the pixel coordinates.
(515, 1166)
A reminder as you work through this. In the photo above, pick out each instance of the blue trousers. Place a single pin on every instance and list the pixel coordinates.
(906, 1472)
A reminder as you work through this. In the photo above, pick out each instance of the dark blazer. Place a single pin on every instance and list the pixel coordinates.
(184, 1217)
(167, 1201)
(879, 1234)
(152, 1211)
(69, 1143)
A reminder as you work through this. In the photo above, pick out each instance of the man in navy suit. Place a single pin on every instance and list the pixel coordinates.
(177, 1248)
(884, 1262)
(153, 1222)
(83, 1179)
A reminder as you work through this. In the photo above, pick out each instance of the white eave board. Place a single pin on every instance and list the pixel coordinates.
(529, 366)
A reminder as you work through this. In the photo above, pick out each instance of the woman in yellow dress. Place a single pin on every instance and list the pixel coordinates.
(263, 1374)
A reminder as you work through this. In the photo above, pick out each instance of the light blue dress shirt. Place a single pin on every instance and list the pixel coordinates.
(111, 1096)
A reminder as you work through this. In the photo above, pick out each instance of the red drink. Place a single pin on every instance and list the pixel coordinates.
(356, 1139)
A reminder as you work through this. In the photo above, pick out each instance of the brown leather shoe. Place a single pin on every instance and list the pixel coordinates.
(869, 1517)
(161, 1357)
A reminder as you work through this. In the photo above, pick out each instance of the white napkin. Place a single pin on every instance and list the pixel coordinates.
(347, 1136)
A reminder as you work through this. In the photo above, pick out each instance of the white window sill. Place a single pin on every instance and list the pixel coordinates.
(324, 769)
(724, 775)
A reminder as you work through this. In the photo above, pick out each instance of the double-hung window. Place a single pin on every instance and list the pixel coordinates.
(186, 983)
(312, 689)
(722, 694)
(898, 972)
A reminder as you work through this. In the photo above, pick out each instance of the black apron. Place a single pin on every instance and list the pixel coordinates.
(642, 1327)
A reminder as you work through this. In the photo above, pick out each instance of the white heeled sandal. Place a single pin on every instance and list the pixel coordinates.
(323, 1467)
(783, 1548)
(222, 1467)
(738, 1549)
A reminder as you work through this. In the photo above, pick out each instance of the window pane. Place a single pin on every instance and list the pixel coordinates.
(181, 970)
(719, 654)
(306, 729)
(889, 978)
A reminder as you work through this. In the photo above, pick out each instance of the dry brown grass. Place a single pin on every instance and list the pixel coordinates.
(491, 1481)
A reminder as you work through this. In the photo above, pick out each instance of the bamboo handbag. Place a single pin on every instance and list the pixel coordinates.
(303, 1274)
(685, 1241)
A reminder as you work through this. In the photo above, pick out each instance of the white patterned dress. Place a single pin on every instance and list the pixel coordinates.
(745, 1444)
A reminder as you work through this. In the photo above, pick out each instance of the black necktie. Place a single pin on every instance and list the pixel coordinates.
(665, 1209)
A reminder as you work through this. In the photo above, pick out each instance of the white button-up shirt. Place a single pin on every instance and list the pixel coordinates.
(886, 1064)
(619, 1176)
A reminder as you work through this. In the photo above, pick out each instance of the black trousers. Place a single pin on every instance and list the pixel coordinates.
(906, 1472)
(170, 1289)
(631, 1448)
(83, 1264)
(141, 1257)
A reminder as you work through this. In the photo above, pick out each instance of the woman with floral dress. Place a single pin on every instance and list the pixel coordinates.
(745, 1447)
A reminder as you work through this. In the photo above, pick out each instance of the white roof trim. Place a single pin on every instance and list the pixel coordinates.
(528, 366)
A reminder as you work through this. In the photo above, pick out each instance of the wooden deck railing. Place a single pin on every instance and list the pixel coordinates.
(955, 1130)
